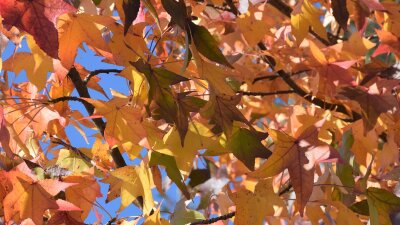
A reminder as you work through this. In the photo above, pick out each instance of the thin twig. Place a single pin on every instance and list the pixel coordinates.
(67, 98)
(97, 72)
(249, 93)
(215, 219)
(72, 148)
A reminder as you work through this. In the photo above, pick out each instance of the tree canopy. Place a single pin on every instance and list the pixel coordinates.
(277, 111)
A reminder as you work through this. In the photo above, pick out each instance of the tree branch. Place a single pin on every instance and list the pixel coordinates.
(84, 93)
(97, 72)
(215, 219)
(250, 93)
(67, 98)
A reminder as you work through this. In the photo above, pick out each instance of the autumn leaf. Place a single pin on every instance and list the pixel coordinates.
(299, 155)
(37, 18)
(372, 103)
(86, 28)
(223, 111)
(123, 119)
(20, 203)
(198, 137)
(129, 183)
(307, 18)
(246, 146)
(83, 194)
(248, 204)
(36, 64)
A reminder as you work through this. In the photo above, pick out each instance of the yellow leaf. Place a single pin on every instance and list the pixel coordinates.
(198, 137)
(130, 182)
(252, 29)
(213, 74)
(345, 216)
(253, 207)
(139, 84)
(309, 17)
(73, 30)
(317, 53)
(36, 64)
(123, 119)
(155, 219)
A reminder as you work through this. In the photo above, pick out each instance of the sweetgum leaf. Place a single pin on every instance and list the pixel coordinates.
(36, 18)
(246, 146)
(207, 45)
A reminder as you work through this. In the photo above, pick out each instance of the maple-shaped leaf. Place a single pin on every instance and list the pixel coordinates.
(215, 75)
(223, 111)
(166, 99)
(332, 73)
(129, 183)
(308, 17)
(198, 137)
(246, 146)
(36, 64)
(31, 198)
(83, 194)
(372, 103)
(249, 204)
(37, 18)
(73, 30)
(123, 119)
(381, 204)
(252, 28)
(299, 155)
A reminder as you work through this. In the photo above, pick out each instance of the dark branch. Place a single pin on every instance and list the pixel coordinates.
(249, 93)
(67, 98)
(97, 72)
(215, 219)
(84, 93)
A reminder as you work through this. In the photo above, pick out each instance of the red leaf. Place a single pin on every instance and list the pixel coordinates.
(36, 18)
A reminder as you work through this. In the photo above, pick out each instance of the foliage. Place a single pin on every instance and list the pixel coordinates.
(267, 111)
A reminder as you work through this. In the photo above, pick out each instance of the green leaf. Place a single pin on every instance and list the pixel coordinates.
(361, 207)
(207, 45)
(246, 146)
(198, 176)
(381, 204)
(131, 9)
(177, 11)
(171, 168)
(183, 215)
